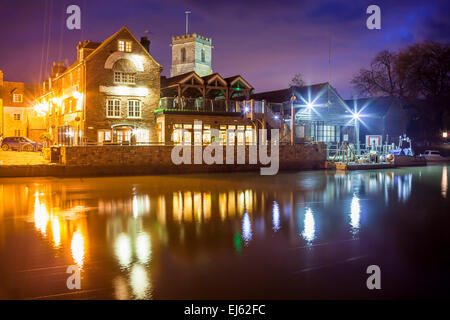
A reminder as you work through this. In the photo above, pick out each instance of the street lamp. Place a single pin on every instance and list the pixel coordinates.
(357, 118)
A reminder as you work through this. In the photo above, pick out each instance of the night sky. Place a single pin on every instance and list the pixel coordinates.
(267, 42)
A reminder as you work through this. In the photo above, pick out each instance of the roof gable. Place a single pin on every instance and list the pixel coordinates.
(116, 35)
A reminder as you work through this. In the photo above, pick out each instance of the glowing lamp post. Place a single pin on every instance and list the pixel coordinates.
(356, 119)
(293, 98)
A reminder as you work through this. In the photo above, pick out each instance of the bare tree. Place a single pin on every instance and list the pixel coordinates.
(381, 78)
(425, 69)
(421, 74)
(297, 81)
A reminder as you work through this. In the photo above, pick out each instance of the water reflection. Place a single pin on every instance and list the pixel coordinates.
(355, 214)
(123, 250)
(309, 226)
(143, 248)
(444, 182)
(41, 215)
(77, 247)
(276, 216)
(140, 224)
(246, 228)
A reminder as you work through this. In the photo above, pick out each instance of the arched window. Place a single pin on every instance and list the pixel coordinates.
(183, 54)
(203, 55)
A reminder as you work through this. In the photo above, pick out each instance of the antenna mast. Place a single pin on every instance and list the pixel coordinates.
(329, 66)
(187, 21)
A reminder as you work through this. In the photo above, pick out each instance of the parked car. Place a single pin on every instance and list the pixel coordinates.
(20, 144)
(434, 155)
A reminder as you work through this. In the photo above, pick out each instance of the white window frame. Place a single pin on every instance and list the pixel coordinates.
(125, 46)
(131, 112)
(115, 103)
(17, 97)
(121, 45)
(124, 77)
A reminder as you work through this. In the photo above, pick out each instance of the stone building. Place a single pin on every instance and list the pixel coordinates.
(191, 52)
(18, 117)
(108, 95)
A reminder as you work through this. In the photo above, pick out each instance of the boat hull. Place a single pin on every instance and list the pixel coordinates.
(406, 161)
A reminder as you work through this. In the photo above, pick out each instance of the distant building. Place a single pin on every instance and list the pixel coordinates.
(18, 117)
(320, 113)
(385, 116)
(107, 95)
(191, 52)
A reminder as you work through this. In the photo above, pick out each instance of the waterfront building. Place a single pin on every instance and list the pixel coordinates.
(18, 117)
(383, 116)
(195, 93)
(107, 95)
(320, 113)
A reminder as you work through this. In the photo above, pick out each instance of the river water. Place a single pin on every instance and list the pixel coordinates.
(307, 235)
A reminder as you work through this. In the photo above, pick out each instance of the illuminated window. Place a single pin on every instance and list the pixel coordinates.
(249, 137)
(159, 132)
(207, 136)
(231, 135)
(223, 135)
(104, 136)
(124, 46)
(128, 46)
(16, 116)
(113, 108)
(17, 98)
(134, 109)
(324, 133)
(198, 137)
(17, 133)
(177, 136)
(121, 45)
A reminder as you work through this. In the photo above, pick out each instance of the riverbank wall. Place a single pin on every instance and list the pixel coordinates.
(87, 161)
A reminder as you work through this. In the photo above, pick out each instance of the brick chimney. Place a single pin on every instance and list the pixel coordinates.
(146, 43)
(57, 69)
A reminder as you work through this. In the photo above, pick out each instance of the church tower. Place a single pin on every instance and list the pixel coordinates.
(191, 52)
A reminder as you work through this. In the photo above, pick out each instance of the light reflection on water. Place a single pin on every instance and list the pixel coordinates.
(355, 214)
(309, 226)
(444, 182)
(133, 221)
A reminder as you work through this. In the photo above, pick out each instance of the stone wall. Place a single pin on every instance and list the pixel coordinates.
(129, 160)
